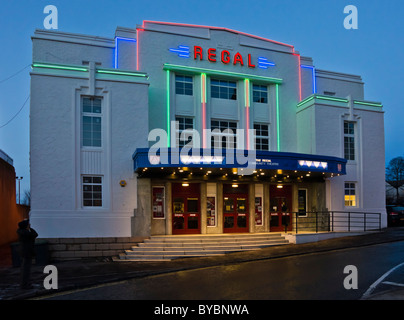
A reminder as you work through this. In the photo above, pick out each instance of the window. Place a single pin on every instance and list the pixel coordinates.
(91, 122)
(183, 124)
(349, 140)
(223, 134)
(350, 194)
(260, 94)
(261, 137)
(223, 89)
(183, 85)
(92, 191)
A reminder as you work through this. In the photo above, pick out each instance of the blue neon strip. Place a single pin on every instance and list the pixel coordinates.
(116, 48)
(182, 51)
(313, 72)
(264, 63)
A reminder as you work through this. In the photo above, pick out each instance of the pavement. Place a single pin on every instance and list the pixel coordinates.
(82, 273)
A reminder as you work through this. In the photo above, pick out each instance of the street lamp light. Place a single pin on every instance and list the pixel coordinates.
(19, 198)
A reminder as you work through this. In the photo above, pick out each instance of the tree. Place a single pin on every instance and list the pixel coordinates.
(395, 174)
(27, 198)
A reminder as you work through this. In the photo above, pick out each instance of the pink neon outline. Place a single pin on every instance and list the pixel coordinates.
(137, 48)
(217, 28)
(300, 76)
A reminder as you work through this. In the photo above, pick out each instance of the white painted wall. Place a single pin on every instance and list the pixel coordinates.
(57, 159)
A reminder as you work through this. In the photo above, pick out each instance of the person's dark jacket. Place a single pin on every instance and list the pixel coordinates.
(26, 237)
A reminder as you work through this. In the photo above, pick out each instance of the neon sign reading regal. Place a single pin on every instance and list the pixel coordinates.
(224, 56)
(213, 55)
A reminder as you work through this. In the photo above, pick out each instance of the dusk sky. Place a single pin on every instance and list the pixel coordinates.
(315, 28)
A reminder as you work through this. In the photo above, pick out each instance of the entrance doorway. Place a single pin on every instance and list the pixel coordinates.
(235, 208)
(186, 208)
(280, 208)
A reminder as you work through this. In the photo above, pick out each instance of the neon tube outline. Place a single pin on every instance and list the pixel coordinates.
(168, 110)
(203, 101)
(314, 81)
(278, 138)
(116, 48)
(247, 109)
(217, 28)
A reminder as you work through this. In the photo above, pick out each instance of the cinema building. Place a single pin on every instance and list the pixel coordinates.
(274, 139)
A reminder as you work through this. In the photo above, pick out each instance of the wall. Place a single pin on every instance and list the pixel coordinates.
(10, 212)
(57, 159)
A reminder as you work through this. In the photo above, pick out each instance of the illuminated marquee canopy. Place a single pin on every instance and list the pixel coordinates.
(222, 158)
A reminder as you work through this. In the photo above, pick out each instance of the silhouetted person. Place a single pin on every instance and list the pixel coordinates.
(26, 237)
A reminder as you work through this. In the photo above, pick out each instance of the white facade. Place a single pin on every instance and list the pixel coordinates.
(134, 78)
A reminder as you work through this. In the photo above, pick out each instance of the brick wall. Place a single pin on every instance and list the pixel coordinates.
(10, 212)
(77, 248)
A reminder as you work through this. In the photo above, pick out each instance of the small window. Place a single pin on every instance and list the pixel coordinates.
(91, 122)
(184, 124)
(183, 85)
(92, 191)
(349, 140)
(223, 134)
(261, 137)
(223, 89)
(350, 194)
(260, 94)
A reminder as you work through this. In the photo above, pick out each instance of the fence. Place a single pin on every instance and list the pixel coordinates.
(338, 221)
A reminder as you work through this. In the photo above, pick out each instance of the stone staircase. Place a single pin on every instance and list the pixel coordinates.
(168, 247)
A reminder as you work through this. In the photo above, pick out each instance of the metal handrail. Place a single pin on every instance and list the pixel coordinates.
(347, 221)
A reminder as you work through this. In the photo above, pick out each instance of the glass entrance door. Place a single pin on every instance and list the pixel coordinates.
(280, 208)
(186, 209)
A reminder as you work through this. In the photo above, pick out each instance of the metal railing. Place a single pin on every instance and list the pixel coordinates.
(336, 221)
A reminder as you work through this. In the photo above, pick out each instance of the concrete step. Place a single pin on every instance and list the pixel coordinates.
(208, 243)
(168, 247)
(190, 246)
(205, 238)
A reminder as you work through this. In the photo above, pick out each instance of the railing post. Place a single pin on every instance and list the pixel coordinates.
(296, 215)
(349, 221)
(332, 224)
(364, 220)
(380, 222)
(316, 222)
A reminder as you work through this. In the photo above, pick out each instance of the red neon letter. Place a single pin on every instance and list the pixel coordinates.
(250, 65)
(225, 56)
(238, 59)
(198, 52)
(212, 55)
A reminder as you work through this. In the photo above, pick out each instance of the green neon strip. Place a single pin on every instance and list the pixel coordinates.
(168, 66)
(331, 99)
(368, 104)
(203, 88)
(122, 73)
(278, 131)
(306, 100)
(315, 96)
(54, 66)
(168, 110)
